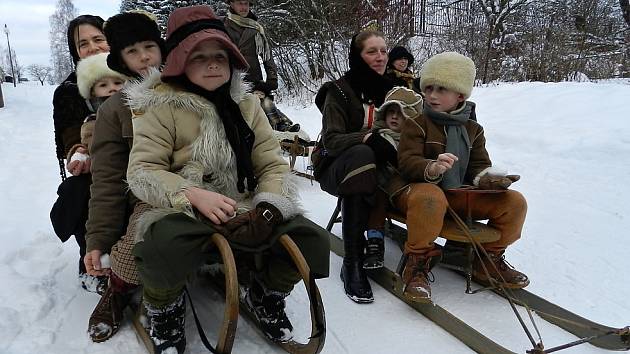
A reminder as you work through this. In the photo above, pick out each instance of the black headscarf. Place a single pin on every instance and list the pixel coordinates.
(240, 136)
(367, 84)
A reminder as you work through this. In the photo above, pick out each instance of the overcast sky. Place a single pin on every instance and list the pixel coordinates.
(27, 21)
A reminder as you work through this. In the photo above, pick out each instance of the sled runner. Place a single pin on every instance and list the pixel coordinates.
(471, 235)
(317, 337)
(230, 317)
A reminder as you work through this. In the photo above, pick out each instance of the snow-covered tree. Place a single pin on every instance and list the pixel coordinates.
(61, 59)
(40, 72)
(163, 8)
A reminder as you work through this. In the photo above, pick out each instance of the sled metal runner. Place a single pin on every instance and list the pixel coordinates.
(317, 337)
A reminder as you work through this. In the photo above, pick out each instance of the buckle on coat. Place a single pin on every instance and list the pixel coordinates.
(268, 215)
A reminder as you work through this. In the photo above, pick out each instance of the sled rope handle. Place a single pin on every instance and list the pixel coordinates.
(476, 246)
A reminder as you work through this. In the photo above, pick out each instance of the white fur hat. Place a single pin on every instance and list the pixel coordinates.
(452, 70)
(92, 69)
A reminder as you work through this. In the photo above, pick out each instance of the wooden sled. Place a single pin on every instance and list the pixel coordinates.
(230, 316)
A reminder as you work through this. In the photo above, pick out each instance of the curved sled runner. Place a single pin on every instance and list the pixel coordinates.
(230, 316)
(317, 337)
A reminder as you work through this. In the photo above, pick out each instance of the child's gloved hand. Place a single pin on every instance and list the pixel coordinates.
(493, 182)
(255, 226)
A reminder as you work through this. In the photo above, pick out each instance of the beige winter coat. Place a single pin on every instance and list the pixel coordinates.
(179, 142)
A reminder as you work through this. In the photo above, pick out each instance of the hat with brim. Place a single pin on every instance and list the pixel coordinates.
(189, 26)
(409, 102)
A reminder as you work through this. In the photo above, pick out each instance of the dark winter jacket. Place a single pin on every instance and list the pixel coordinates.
(111, 202)
(405, 79)
(245, 39)
(343, 118)
(69, 111)
(422, 141)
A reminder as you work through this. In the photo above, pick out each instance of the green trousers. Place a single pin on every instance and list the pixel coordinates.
(175, 246)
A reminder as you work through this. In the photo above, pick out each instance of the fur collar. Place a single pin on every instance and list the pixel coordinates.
(150, 91)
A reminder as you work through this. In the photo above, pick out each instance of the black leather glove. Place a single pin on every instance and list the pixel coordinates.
(383, 150)
(497, 182)
(254, 227)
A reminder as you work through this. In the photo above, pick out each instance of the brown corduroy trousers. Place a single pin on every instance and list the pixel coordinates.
(425, 206)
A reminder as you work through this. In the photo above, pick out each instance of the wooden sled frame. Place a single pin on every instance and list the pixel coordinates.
(230, 315)
(481, 232)
(317, 338)
(295, 149)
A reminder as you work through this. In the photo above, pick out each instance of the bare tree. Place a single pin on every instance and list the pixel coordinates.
(40, 72)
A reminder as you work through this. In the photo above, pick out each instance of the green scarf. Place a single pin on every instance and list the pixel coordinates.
(457, 141)
(262, 44)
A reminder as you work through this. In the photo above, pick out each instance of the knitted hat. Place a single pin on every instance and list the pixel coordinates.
(451, 70)
(127, 29)
(409, 101)
(92, 69)
(399, 53)
(189, 26)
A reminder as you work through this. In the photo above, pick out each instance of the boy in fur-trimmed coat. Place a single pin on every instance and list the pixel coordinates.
(204, 155)
(444, 148)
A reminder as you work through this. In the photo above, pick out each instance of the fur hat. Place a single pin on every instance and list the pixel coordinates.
(189, 26)
(409, 101)
(399, 53)
(452, 70)
(92, 69)
(127, 29)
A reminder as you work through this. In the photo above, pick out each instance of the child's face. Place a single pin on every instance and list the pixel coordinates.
(400, 64)
(393, 118)
(141, 56)
(208, 65)
(106, 86)
(441, 99)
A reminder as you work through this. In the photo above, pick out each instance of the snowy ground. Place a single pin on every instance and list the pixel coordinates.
(569, 141)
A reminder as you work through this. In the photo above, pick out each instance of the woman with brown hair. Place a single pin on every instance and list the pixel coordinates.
(344, 161)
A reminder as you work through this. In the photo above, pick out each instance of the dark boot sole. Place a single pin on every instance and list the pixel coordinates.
(486, 283)
(417, 298)
(357, 299)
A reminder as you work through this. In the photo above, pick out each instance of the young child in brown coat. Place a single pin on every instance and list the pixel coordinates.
(441, 149)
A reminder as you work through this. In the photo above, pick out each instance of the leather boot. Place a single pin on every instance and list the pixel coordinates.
(354, 223)
(108, 313)
(415, 275)
(507, 275)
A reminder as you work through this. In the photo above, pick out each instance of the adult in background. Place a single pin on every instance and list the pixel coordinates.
(344, 164)
(68, 216)
(399, 68)
(136, 51)
(249, 35)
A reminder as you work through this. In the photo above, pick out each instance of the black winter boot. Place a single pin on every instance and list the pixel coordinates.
(166, 326)
(354, 223)
(268, 306)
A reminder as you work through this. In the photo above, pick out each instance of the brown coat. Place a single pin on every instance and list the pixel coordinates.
(245, 39)
(422, 141)
(111, 203)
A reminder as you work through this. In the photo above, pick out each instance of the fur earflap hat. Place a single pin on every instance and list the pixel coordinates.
(409, 101)
(127, 29)
(189, 26)
(92, 69)
(452, 70)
